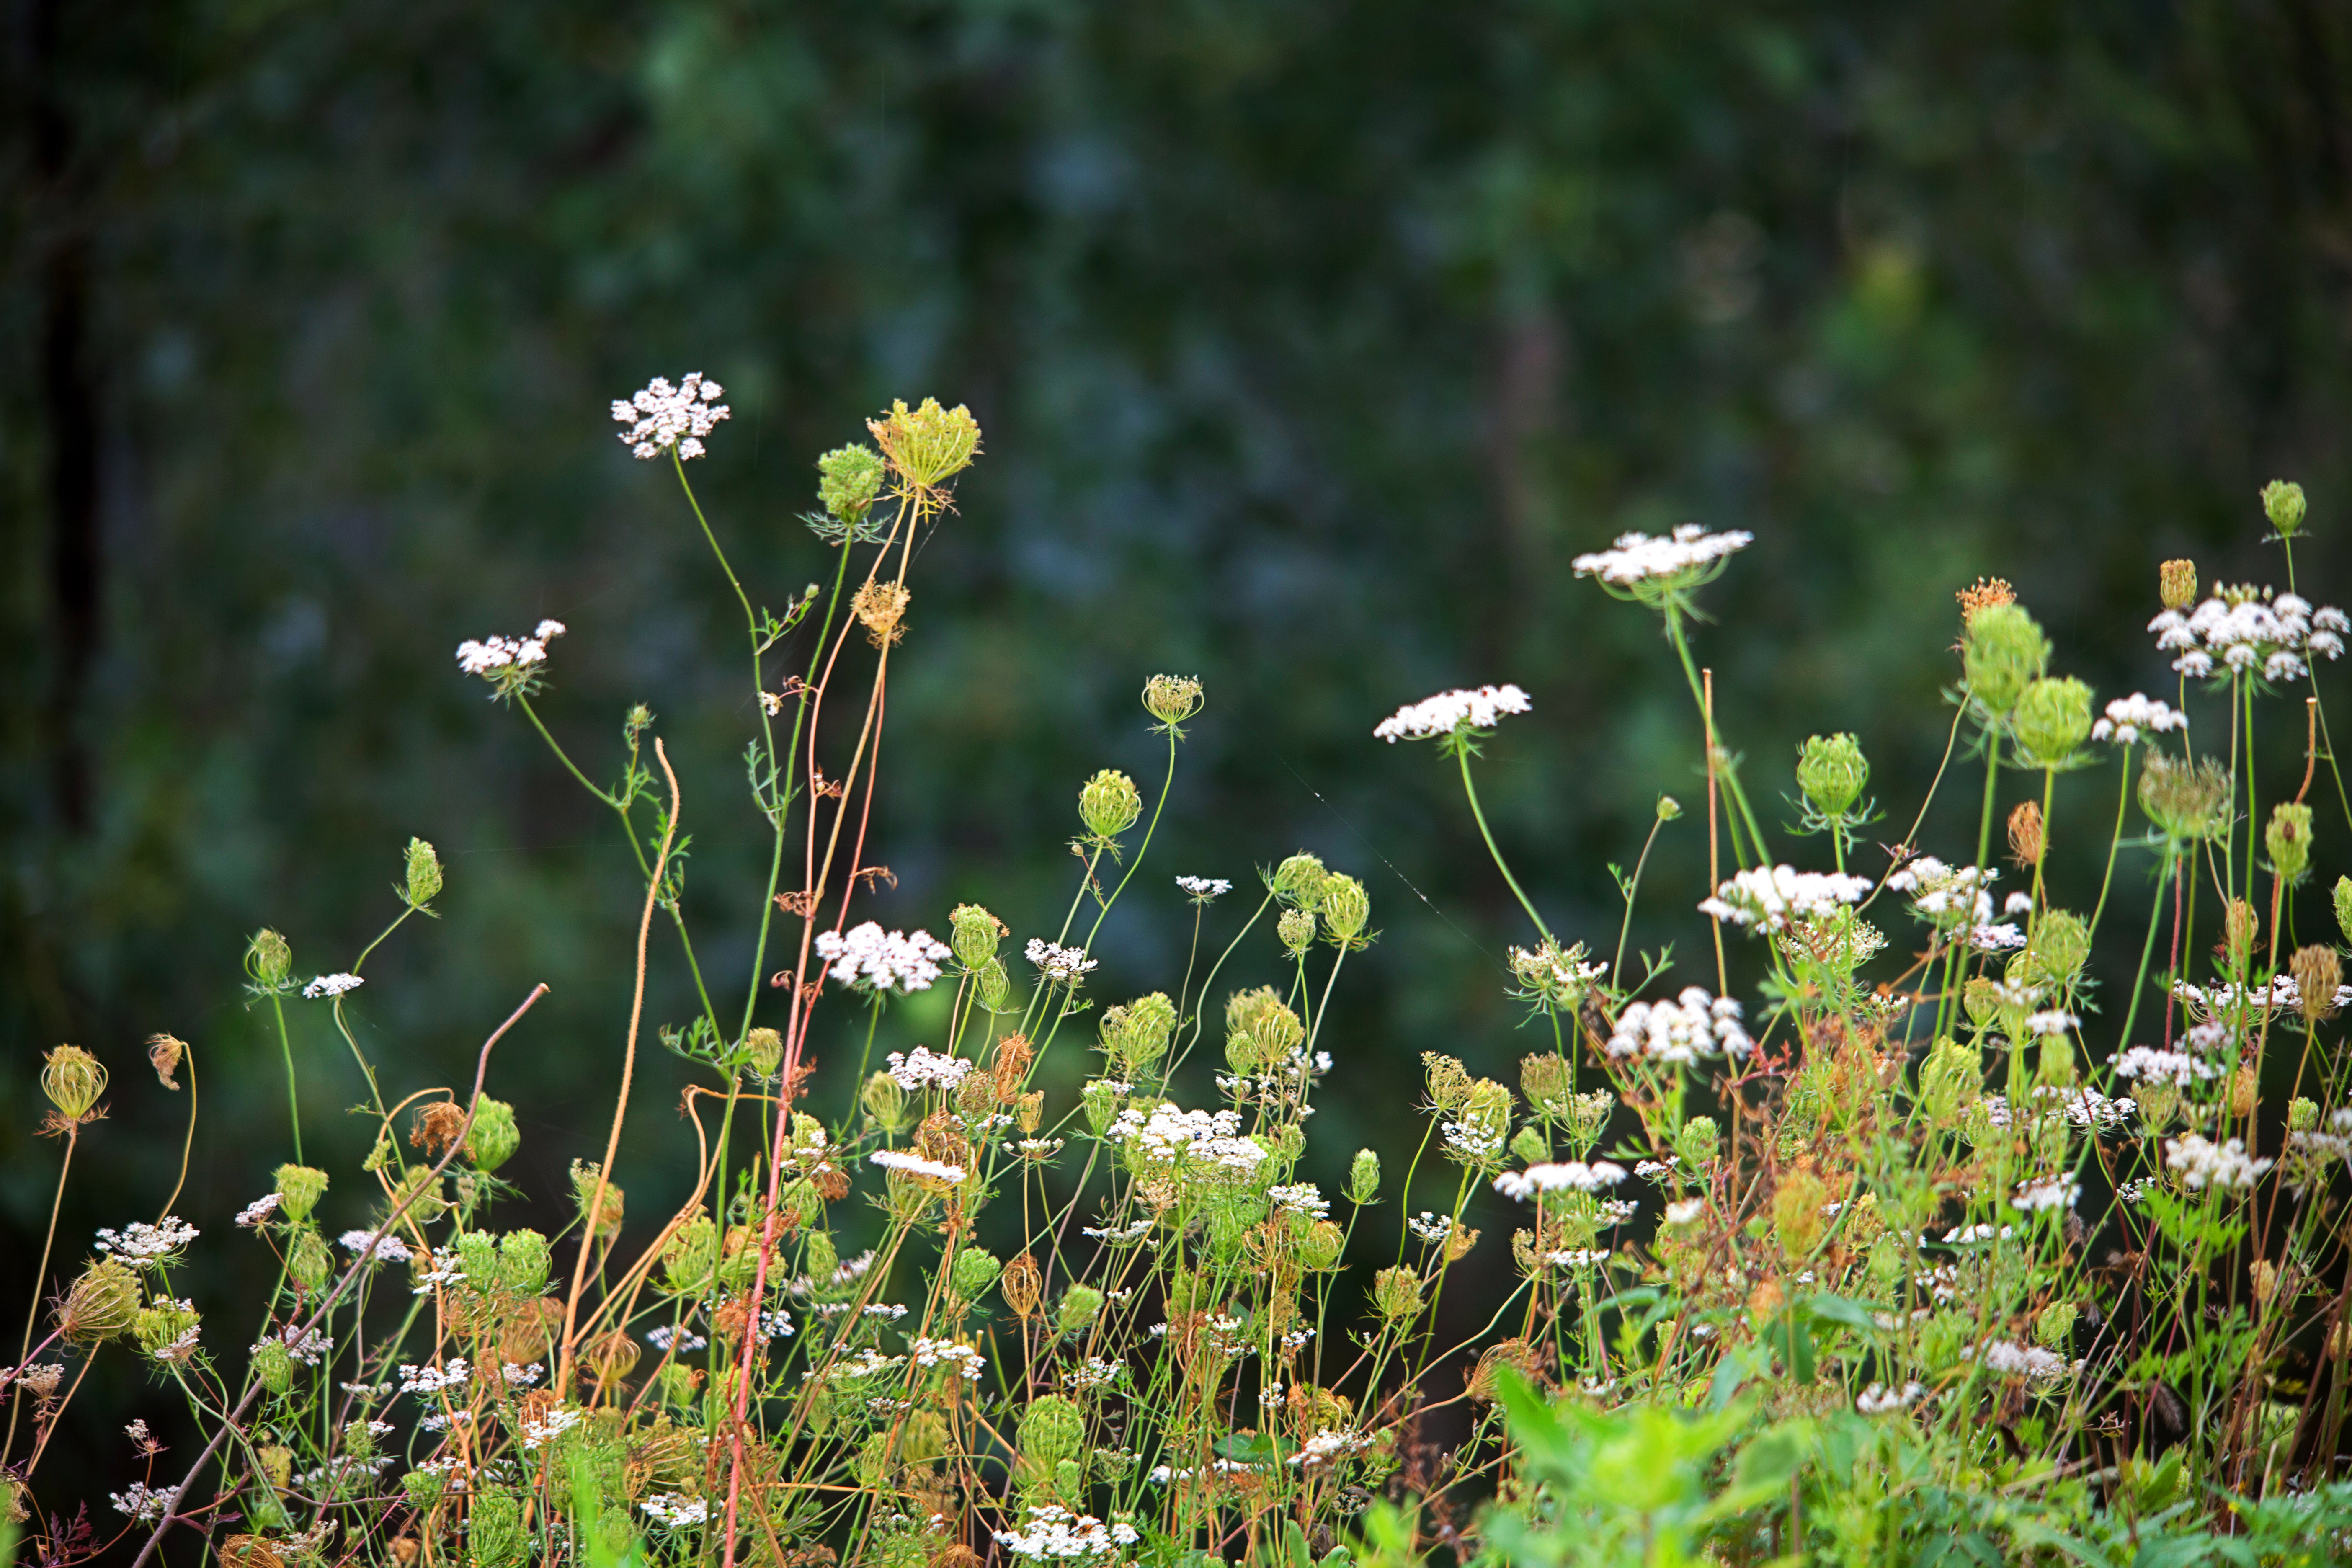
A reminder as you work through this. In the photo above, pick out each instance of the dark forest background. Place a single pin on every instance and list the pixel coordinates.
(1311, 342)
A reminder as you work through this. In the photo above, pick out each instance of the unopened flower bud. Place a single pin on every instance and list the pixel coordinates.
(2317, 972)
(974, 934)
(1029, 1111)
(1833, 773)
(1321, 1245)
(1081, 1305)
(2176, 581)
(2284, 504)
(1668, 808)
(1110, 803)
(1950, 1079)
(1136, 1035)
(1588, 1118)
(2288, 838)
(73, 1080)
(524, 1261)
(884, 1101)
(848, 480)
(1171, 698)
(273, 1366)
(422, 874)
(267, 959)
(972, 1272)
(2052, 722)
(299, 1188)
(160, 1326)
(993, 983)
(1530, 1145)
(2002, 651)
(2062, 945)
(1364, 1177)
(1346, 909)
(1397, 1293)
(101, 1305)
(1053, 1428)
(307, 1260)
(1298, 881)
(2343, 907)
(763, 1051)
(1697, 1142)
(1099, 1100)
(2302, 1114)
(1449, 1080)
(1297, 930)
(494, 1137)
(2053, 1327)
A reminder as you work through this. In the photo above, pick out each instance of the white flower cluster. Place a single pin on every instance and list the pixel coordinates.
(548, 1427)
(2237, 628)
(307, 1346)
(1678, 1032)
(1205, 887)
(2086, 1107)
(926, 1068)
(330, 985)
(1946, 895)
(2129, 718)
(521, 1376)
(1451, 711)
(1054, 1534)
(1636, 558)
(416, 1379)
(2052, 1021)
(1431, 1228)
(948, 1352)
(2226, 1001)
(495, 653)
(1769, 900)
(1553, 1176)
(2201, 1164)
(1300, 1197)
(662, 416)
(2150, 1065)
(916, 1165)
(2028, 1361)
(1880, 1400)
(2038, 1192)
(1474, 1143)
(672, 1512)
(1167, 1134)
(259, 1209)
(669, 1338)
(873, 959)
(386, 1249)
(141, 1244)
(1330, 1443)
(144, 1504)
(1684, 1211)
(1059, 962)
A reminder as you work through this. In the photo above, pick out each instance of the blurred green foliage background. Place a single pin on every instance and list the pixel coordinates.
(1311, 342)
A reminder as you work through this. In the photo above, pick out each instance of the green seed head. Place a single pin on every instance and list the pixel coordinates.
(1171, 698)
(422, 874)
(1136, 1035)
(994, 984)
(2284, 504)
(885, 1102)
(1530, 1145)
(267, 959)
(1397, 1293)
(1832, 773)
(973, 1273)
(2187, 802)
(2288, 838)
(2343, 907)
(692, 1252)
(1110, 803)
(1697, 1142)
(524, 1261)
(308, 1260)
(275, 1367)
(160, 1325)
(848, 480)
(1449, 1080)
(1053, 1430)
(494, 1137)
(1298, 881)
(1544, 1079)
(2062, 945)
(73, 1080)
(101, 1305)
(974, 934)
(299, 1188)
(1346, 909)
(1081, 1305)
(478, 1257)
(1364, 1177)
(2052, 722)
(1297, 930)
(1320, 1247)
(1950, 1079)
(763, 1051)
(2002, 653)
(926, 445)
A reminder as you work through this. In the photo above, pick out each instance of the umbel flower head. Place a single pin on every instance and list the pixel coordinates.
(1171, 699)
(1663, 571)
(927, 446)
(510, 665)
(2284, 504)
(1832, 773)
(1454, 719)
(2250, 630)
(660, 417)
(2188, 802)
(2002, 652)
(2052, 722)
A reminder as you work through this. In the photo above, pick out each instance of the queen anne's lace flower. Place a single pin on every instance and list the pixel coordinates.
(1451, 711)
(1769, 900)
(916, 1165)
(376, 1248)
(2201, 1164)
(2150, 1065)
(1054, 1534)
(1167, 1134)
(675, 1513)
(662, 416)
(1946, 895)
(2244, 627)
(140, 1244)
(331, 985)
(1683, 558)
(1059, 962)
(2028, 1361)
(1553, 1176)
(1205, 887)
(2038, 1192)
(925, 1068)
(2129, 718)
(1678, 1032)
(144, 1504)
(1880, 1400)
(873, 959)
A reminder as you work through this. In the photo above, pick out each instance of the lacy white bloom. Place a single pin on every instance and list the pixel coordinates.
(1054, 1534)
(2201, 1163)
(2244, 626)
(1330, 1443)
(2052, 1021)
(667, 1337)
(2038, 1192)
(143, 1504)
(916, 1165)
(2086, 1107)
(2001, 938)
(2129, 718)
(927, 1070)
(331, 985)
(2152, 1066)
(662, 416)
(1687, 553)
(141, 1244)
(1205, 887)
(674, 1512)
(1475, 1144)
(416, 1379)
(2030, 1361)
(495, 654)
(1300, 1197)
(1679, 1032)
(1059, 962)
(1552, 1177)
(2224, 1003)
(1880, 1400)
(1167, 1134)
(386, 1249)
(548, 1427)
(948, 1352)
(1685, 1211)
(1431, 1227)
(873, 959)
(307, 1345)
(1451, 711)
(1771, 900)
(521, 1376)
(1946, 895)
(259, 1209)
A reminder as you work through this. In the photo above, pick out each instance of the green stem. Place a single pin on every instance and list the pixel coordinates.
(1632, 891)
(1461, 753)
(293, 1104)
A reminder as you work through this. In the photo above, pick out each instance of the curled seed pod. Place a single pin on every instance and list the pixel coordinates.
(1797, 1213)
(1011, 1069)
(273, 1366)
(1697, 1142)
(437, 1126)
(2025, 833)
(420, 874)
(974, 1272)
(73, 1080)
(610, 1208)
(2317, 974)
(1321, 1245)
(1029, 1111)
(879, 608)
(1080, 1306)
(609, 1357)
(885, 1102)
(1052, 1429)
(1486, 1379)
(101, 1306)
(1346, 909)
(1022, 1284)
(1397, 1293)
(975, 934)
(163, 1054)
(1110, 803)
(1298, 881)
(2344, 906)
(763, 1051)
(1297, 930)
(524, 1261)
(2052, 722)
(308, 1260)
(268, 959)
(994, 984)
(249, 1552)
(2243, 1090)
(1136, 1035)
